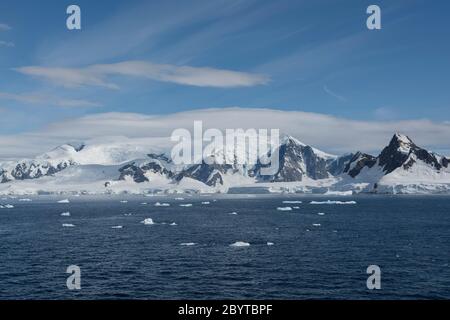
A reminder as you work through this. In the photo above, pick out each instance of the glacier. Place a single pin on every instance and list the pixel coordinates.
(402, 167)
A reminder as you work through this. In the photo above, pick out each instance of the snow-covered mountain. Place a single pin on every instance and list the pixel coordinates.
(401, 167)
(135, 167)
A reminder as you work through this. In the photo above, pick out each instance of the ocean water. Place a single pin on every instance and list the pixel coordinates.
(407, 236)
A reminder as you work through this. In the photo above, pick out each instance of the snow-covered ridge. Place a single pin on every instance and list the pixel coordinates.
(143, 166)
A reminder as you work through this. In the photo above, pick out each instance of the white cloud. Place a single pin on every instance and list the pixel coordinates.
(329, 133)
(48, 100)
(7, 44)
(96, 75)
(4, 27)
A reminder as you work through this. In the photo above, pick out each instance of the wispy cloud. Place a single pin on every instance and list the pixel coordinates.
(97, 75)
(48, 100)
(4, 27)
(329, 133)
(334, 94)
(7, 44)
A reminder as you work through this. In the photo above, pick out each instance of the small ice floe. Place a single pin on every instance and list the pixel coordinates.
(127, 214)
(240, 244)
(123, 201)
(147, 221)
(284, 209)
(173, 224)
(186, 205)
(159, 204)
(117, 227)
(143, 203)
(179, 199)
(206, 202)
(234, 213)
(270, 243)
(187, 244)
(64, 201)
(316, 224)
(307, 230)
(333, 202)
(321, 213)
(335, 231)
(65, 214)
(68, 225)
(296, 208)
(292, 201)
(25, 200)
(8, 206)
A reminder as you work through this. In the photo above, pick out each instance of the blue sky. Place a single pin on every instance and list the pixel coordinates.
(161, 57)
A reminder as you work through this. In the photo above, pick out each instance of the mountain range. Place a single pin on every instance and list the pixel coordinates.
(401, 167)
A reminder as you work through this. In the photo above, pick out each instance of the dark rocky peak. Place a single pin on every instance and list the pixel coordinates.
(402, 151)
(358, 162)
(161, 157)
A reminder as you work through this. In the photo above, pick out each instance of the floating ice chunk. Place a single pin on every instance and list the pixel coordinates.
(65, 214)
(321, 213)
(117, 227)
(233, 213)
(68, 225)
(339, 193)
(123, 201)
(206, 202)
(25, 200)
(284, 209)
(64, 201)
(270, 243)
(143, 203)
(316, 224)
(292, 201)
(333, 202)
(8, 206)
(186, 205)
(187, 244)
(296, 208)
(148, 221)
(173, 224)
(127, 214)
(240, 244)
(158, 204)
(179, 199)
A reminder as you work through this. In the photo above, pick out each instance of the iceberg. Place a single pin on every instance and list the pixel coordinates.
(240, 244)
(333, 202)
(64, 201)
(186, 205)
(68, 225)
(284, 209)
(117, 227)
(158, 204)
(147, 221)
(292, 201)
(65, 214)
(187, 244)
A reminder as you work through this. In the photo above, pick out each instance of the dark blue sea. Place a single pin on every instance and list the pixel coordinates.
(408, 237)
